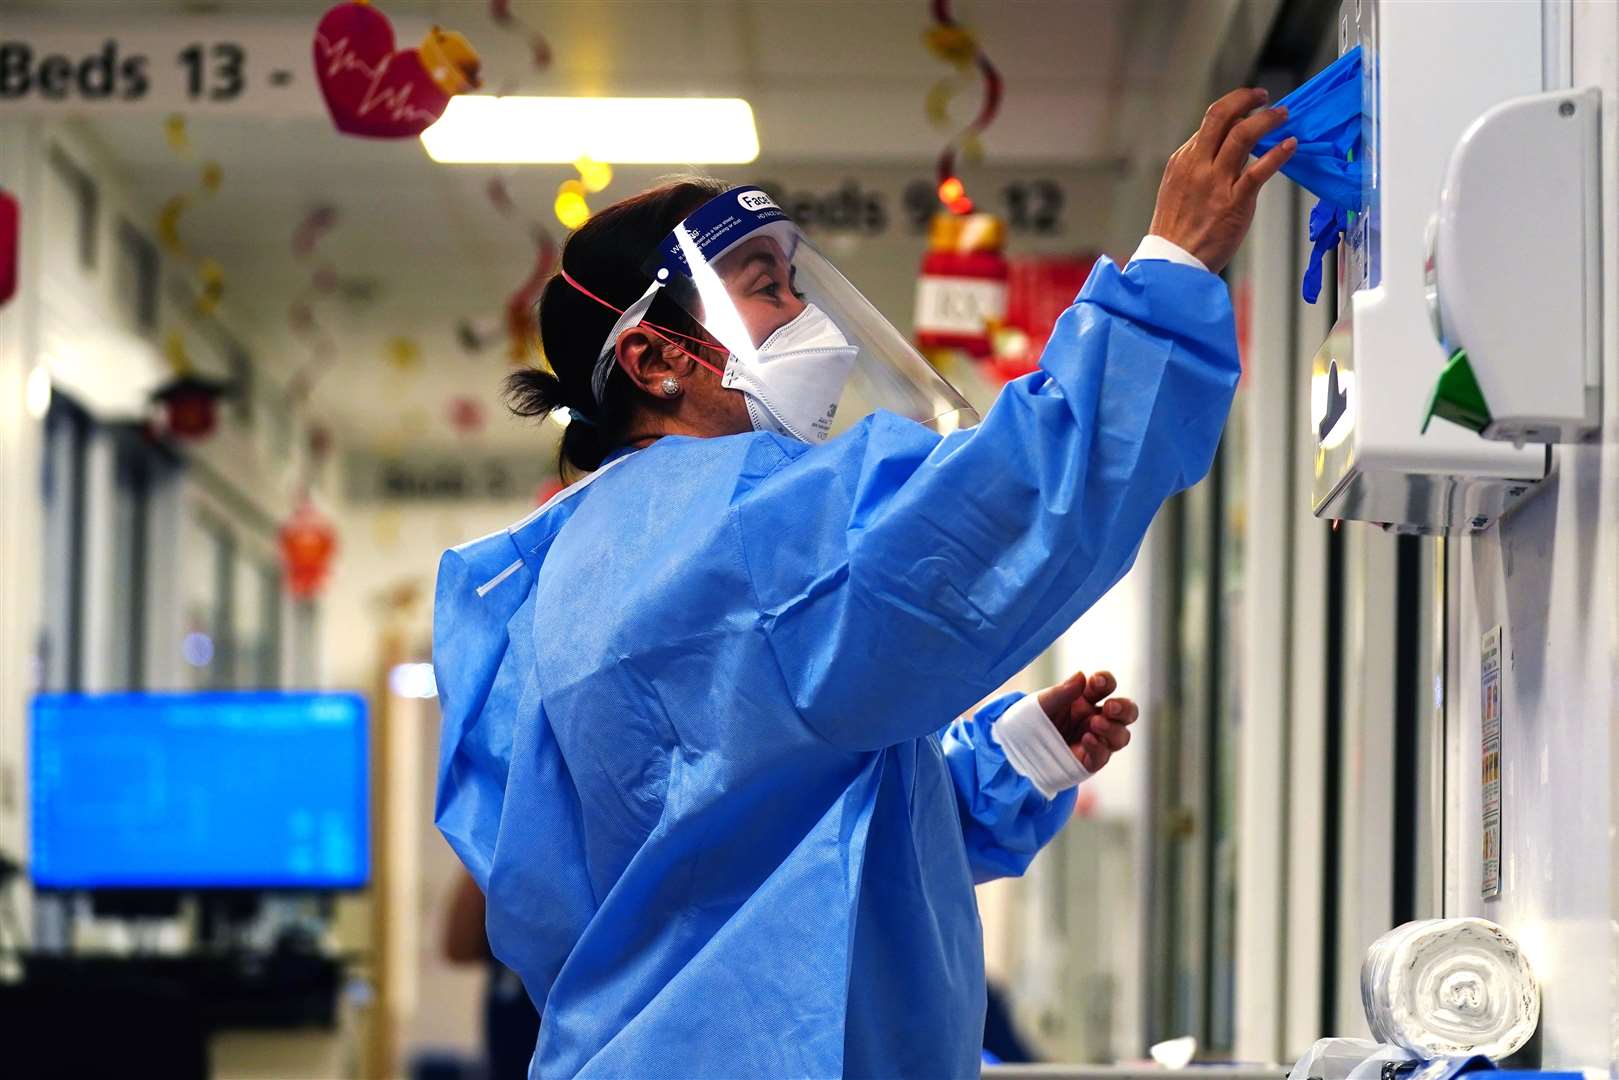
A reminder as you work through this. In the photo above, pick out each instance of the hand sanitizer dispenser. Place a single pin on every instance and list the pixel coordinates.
(1431, 70)
(1515, 272)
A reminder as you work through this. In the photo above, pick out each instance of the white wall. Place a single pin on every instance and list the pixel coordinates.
(1547, 576)
(74, 322)
(387, 551)
(21, 523)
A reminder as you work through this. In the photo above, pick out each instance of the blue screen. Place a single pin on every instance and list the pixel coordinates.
(199, 790)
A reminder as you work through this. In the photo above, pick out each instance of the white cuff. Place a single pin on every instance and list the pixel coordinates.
(1156, 247)
(1034, 747)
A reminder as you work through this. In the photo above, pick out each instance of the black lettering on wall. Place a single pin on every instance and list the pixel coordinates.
(16, 64)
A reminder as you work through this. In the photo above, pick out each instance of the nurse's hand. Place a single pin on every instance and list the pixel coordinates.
(1206, 199)
(1093, 724)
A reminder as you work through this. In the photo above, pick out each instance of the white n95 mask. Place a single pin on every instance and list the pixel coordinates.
(794, 380)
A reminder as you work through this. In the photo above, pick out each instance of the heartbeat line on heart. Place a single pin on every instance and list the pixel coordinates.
(341, 58)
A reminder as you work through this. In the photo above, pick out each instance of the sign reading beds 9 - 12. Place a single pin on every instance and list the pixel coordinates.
(259, 67)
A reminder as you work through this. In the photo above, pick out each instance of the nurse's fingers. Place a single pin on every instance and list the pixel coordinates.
(1116, 736)
(1055, 700)
(1254, 176)
(1121, 711)
(1074, 684)
(1221, 117)
(1076, 720)
(1101, 685)
(1092, 753)
(1245, 136)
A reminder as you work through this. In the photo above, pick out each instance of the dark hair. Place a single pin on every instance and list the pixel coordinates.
(606, 256)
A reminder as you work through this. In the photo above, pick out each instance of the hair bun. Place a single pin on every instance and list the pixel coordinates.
(534, 393)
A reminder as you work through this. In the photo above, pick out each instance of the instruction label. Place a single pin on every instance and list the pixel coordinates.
(1490, 715)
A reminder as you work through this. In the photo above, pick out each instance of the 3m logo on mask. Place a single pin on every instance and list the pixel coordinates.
(756, 201)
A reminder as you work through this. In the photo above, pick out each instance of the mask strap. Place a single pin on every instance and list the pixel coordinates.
(634, 315)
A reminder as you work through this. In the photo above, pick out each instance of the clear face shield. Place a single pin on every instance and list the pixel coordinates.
(811, 355)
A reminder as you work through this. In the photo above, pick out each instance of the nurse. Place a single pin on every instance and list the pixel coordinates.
(704, 746)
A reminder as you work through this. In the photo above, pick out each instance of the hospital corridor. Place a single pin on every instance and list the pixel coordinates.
(751, 539)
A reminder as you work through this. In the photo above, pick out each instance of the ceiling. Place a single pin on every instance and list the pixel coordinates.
(834, 84)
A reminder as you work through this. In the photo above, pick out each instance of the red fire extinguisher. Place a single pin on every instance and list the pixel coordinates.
(961, 295)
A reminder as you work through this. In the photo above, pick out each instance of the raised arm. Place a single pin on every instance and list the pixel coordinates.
(903, 577)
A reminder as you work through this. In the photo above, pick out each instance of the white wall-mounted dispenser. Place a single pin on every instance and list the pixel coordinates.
(1430, 71)
(1515, 272)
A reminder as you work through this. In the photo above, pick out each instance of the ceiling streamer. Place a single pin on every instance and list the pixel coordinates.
(539, 50)
(518, 314)
(209, 276)
(520, 318)
(185, 406)
(522, 327)
(958, 46)
(301, 316)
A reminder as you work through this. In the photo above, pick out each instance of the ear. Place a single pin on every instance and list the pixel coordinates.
(648, 359)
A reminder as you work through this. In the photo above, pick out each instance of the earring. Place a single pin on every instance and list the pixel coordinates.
(671, 388)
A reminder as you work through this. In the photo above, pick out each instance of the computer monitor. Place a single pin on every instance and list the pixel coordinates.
(199, 791)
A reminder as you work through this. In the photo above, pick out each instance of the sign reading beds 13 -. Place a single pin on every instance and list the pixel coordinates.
(258, 66)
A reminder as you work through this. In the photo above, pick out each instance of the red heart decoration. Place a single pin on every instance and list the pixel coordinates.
(10, 239)
(370, 89)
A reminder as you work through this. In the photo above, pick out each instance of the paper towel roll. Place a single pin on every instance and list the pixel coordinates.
(1442, 987)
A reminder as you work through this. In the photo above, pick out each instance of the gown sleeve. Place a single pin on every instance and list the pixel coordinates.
(900, 576)
(1004, 818)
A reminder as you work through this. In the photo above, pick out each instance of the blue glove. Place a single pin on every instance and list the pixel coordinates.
(1324, 115)
(1327, 224)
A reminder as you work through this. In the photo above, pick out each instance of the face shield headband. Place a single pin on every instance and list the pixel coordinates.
(632, 316)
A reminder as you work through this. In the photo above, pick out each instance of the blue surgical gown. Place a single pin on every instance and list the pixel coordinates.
(698, 745)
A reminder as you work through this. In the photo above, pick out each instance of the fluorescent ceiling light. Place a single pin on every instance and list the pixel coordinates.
(479, 129)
